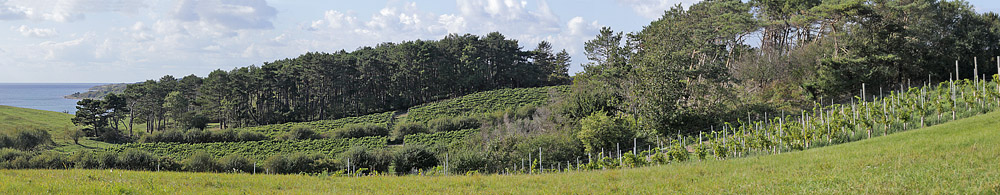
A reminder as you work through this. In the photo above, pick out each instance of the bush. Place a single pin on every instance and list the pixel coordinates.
(465, 161)
(413, 157)
(359, 130)
(197, 136)
(300, 133)
(235, 163)
(85, 160)
(50, 160)
(169, 164)
(409, 128)
(602, 131)
(227, 135)
(524, 112)
(299, 163)
(8, 155)
(466, 122)
(133, 159)
(113, 136)
(201, 136)
(200, 161)
(277, 163)
(25, 139)
(363, 158)
(250, 136)
(443, 124)
(108, 160)
(75, 134)
(198, 121)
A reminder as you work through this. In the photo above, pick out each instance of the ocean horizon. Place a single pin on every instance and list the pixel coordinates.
(43, 96)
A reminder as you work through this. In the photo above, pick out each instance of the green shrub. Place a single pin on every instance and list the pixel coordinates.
(409, 128)
(136, 160)
(524, 112)
(200, 161)
(25, 139)
(443, 124)
(466, 122)
(50, 160)
(235, 163)
(250, 136)
(468, 160)
(8, 155)
(413, 157)
(359, 130)
(169, 164)
(277, 163)
(300, 133)
(108, 160)
(85, 160)
(364, 158)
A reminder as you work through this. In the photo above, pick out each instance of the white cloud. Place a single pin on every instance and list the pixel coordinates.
(36, 32)
(235, 15)
(654, 9)
(10, 12)
(65, 10)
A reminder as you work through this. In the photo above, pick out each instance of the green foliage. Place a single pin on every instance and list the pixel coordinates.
(484, 102)
(365, 158)
(467, 160)
(321, 126)
(300, 133)
(201, 136)
(400, 131)
(235, 163)
(413, 157)
(98, 92)
(25, 139)
(443, 138)
(359, 131)
(200, 161)
(255, 150)
(599, 131)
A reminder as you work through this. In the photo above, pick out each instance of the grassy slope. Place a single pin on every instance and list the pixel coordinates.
(56, 123)
(956, 158)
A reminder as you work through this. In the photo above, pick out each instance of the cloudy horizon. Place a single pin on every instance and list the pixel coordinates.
(115, 41)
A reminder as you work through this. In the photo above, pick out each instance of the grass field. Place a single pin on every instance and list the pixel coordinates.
(959, 157)
(57, 123)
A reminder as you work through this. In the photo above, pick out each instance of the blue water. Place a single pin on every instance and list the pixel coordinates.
(42, 96)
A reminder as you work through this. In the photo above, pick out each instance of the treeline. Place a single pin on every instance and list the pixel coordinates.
(317, 86)
(357, 160)
(696, 68)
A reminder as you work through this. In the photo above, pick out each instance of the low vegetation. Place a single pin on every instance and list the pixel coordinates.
(952, 158)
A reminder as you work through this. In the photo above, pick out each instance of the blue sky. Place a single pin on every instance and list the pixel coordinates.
(112, 41)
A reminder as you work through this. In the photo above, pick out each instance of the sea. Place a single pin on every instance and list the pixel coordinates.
(43, 96)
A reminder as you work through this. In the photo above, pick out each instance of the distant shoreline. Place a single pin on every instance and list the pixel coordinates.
(98, 92)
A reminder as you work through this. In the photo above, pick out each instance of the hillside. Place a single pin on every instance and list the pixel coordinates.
(13, 117)
(955, 158)
(57, 123)
(98, 92)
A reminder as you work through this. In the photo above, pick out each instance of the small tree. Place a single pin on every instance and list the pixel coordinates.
(75, 134)
(200, 161)
(413, 157)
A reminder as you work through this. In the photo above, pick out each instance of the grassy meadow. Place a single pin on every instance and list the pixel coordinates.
(958, 157)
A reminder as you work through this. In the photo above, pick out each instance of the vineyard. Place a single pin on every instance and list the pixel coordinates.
(255, 150)
(484, 102)
(444, 138)
(828, 125)
(321, 126)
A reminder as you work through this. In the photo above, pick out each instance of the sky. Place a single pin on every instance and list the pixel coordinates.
(115, 41)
